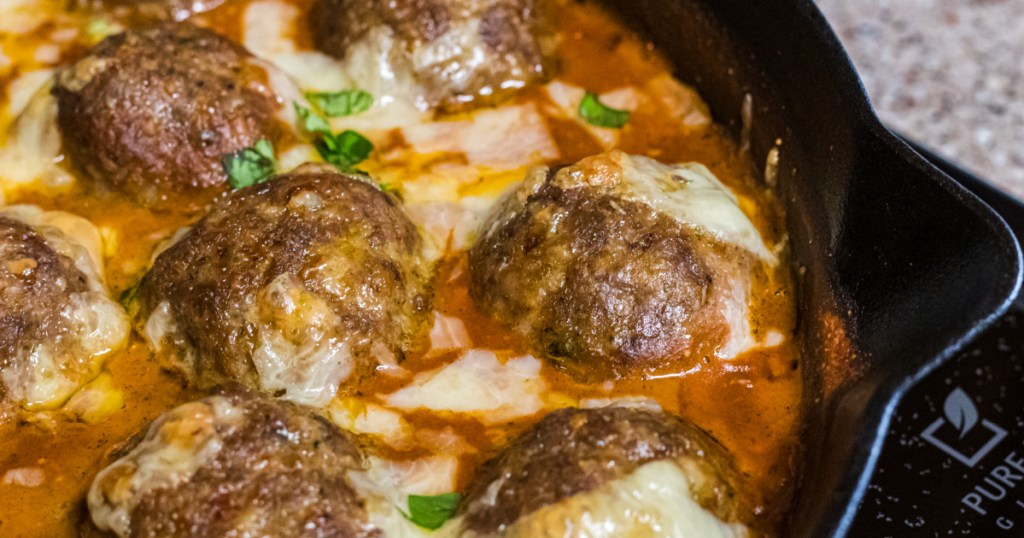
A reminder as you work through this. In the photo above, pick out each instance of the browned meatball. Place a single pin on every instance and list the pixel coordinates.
(293, 286)
(604, 282)
(177, 10)
(575, 451)
(35, 286)
(151, 113)
(234, 464)
(55, 320)
(462, 52)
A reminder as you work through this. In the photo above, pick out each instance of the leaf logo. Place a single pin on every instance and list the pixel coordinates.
(960, 411)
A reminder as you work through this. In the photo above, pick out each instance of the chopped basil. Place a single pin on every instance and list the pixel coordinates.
(343, 103)
(312, 122)
(97, 29)
(249, 166)
(128, 297)
(344, 150)
(596, 113)
(430, 512)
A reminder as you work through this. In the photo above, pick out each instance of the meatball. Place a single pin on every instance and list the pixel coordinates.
(563, 475)
(291, 286)
(56, 320)
(161, 10)
(151, 113)
(235, 463)
(619, 266)
(461, 53)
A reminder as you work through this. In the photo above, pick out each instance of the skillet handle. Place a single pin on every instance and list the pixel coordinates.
(920, 266)
(920, 262)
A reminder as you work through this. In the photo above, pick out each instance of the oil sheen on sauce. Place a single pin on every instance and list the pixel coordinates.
(751, 404)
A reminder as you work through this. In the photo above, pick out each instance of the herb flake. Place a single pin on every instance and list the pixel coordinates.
(598, 114)
(431, 512)
(311, 120)
(249, 166)
(343, 103)
(344, 150)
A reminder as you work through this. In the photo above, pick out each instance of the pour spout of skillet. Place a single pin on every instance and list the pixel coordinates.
(899, 266)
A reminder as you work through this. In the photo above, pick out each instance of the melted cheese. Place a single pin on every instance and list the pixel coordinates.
(652, 502)
(33, 142)
(69, 235)
(688, 193)
(96, 324)
(177, 445)
(298, 349)
(483, 138)
(448, 333)
(567, 98)
(477, 384)
(371, 419)
(269, 30)
(386, 486)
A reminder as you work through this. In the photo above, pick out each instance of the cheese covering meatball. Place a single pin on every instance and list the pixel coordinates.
(151, 113)
(605, 472)
(234, 464)
(619, 265)
(460, 52)
(56, 320)
(291, 286)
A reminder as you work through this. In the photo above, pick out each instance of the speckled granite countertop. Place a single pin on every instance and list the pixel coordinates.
(949, 73)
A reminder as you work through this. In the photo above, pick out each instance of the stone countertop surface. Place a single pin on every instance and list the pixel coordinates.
(947, 73)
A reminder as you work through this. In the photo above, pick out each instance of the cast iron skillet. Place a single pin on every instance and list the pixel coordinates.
(899, 266)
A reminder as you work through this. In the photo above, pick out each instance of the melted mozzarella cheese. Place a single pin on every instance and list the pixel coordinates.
(176, 446)
(484, 139)
(270, 27)
(367, 418)
(96, 324)
(688, 193)
(22, 17)
(652, 502)
(567, 97)
(386, 486)
(311, 364)
(678, 101)
(70, 235)
(478, 384)
(33, 143)
(448, 333)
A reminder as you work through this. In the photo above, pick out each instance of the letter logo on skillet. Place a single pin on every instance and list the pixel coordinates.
(959, 434)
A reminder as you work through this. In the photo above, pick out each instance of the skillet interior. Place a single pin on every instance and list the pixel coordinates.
(899, 265)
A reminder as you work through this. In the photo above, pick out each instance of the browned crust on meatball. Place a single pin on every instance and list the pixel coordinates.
(150, 113)
(574, 451)
(150, 10)
(284, 463)
(604, 287)
(337, 24)
(35, 287)
(213, 275)
(517, 37)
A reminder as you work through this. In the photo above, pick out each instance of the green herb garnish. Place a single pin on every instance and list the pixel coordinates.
(343, 103)
(596, 113)
(129, 296)
(97, 29)
(430, 512)
(311, 121)
(344, 150)
(249, 166)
